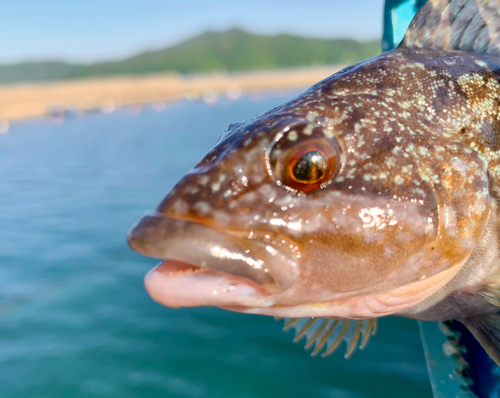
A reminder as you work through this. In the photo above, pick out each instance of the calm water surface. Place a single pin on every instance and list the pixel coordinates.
(75, 320)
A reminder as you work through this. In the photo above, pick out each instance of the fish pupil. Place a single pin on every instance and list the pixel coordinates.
(310, 168)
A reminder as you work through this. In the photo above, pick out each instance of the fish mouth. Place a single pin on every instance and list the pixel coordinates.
(205, 266)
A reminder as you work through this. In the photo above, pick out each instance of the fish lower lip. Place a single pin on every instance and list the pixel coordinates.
(178, 284)
(160, 236)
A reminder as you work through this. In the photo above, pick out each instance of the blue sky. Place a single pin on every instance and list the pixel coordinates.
(91, 30)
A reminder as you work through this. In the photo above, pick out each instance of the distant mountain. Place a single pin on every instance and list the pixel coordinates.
(35, 71)
(211, 51)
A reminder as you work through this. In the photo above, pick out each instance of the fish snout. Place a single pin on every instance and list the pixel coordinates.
(146, 236)
(164, 237)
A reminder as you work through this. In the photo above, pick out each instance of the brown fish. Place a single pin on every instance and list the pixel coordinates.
(373, 193)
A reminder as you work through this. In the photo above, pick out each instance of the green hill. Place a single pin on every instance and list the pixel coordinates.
(34, 71)
(230, 51)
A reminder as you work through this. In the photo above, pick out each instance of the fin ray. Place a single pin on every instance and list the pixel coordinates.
(486, 330)
(327, 334)
(366, 334)
(313, 338)
(289, 323)
(490, 293)
(321, 343)
(374, 327)
(333, 346)
(471, 32)
(304, 330)
(354, 342)
(466, 25)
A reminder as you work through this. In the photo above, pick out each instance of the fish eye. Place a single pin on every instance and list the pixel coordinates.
(310, 168)
(304, 162)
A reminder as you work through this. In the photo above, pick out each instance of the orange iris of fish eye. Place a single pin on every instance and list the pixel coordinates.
(308, 167)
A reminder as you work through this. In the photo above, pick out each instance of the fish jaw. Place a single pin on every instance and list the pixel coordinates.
(363, 306)
(177, 284)
(201, 262)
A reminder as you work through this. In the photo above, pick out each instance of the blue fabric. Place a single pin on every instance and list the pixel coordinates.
(397, 17)
(483, 371)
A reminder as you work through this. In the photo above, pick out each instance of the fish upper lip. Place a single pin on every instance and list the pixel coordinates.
(162, 236)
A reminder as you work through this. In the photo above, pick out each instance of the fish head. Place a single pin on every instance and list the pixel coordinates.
(300, 214)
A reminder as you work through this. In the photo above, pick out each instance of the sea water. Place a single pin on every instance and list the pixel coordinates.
(75, 319)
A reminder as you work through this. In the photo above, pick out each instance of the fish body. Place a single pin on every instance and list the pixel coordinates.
(373, 193)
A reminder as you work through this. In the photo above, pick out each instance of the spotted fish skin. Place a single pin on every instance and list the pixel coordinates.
(403, 219)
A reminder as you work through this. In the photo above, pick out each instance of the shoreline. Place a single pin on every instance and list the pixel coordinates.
(107, 94)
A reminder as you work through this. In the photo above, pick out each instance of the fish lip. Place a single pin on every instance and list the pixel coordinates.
(162, 236)
(180, 285)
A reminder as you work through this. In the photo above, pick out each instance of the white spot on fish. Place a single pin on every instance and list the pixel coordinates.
(468, 243)
(460, 166)
(396, 150)
(285, 200)
(328, 133)
(423, 151)
(191, 189)
(257, 178)
(390, 161)
(203, 208)
(203, 180)
(268, 192)
(292, 136)
(399, 180)
(180, 207)
(248, 197)
(450, 221)
(308, 129)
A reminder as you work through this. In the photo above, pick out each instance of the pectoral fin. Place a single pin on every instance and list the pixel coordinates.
(486, 330)
(490, 292)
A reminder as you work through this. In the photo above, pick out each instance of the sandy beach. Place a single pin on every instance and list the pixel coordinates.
(107, 94)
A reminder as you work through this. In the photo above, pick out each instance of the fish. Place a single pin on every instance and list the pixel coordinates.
(374, 193)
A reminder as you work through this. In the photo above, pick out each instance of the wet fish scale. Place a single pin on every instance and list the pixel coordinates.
(398, 217)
